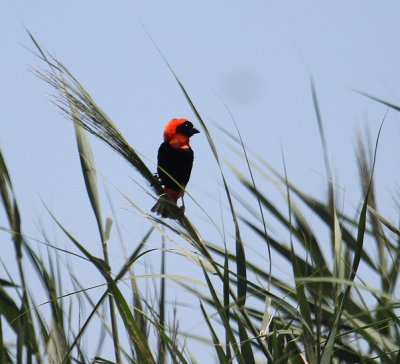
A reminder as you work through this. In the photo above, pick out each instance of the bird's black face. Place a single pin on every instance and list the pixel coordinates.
(187, 129)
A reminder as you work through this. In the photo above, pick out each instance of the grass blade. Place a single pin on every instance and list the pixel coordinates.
(329, 346)
(217, 345)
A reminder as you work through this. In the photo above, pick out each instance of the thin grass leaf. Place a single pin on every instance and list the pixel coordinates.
(325, 214)
(255, 188)
(100, 360)
(221, 312)
(85, 325)
(338, 250)
(267, 314)
(140, 342)
(329, 347)
(4, 354)
(89, 174)
(391, 105)
(9, 309)
(298, 271)
(259, 291)
(26, 331)
(302, 232)
(88, 168)
(245, 343)
(226, 302)
(136, 254)
(174, 350)
(57, 343)
(161, 343)
(217, 345)
(56, 347)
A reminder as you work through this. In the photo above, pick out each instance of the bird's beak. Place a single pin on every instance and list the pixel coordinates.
(194, 131)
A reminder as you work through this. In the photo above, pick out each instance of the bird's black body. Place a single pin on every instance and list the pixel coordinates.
(175, 161)
(174, 166)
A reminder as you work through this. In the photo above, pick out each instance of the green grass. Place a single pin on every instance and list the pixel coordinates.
(251, 314)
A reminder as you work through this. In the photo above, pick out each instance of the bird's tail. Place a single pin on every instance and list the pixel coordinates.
(166, 206)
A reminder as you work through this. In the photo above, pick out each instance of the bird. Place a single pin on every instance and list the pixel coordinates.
(174, 166)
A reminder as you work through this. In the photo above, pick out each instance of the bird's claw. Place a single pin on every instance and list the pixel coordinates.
(156, 178)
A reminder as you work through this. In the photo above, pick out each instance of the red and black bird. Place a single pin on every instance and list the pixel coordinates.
(174, 165)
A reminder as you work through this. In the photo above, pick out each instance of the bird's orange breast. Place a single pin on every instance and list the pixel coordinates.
(179, 141)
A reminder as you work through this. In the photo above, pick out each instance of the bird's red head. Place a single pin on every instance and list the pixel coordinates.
(178, 131)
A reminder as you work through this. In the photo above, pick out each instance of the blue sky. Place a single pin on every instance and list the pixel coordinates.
(255, 56)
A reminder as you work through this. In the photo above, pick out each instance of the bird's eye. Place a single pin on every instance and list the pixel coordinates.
(185, 128)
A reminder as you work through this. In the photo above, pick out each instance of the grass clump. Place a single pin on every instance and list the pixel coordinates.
(251, 314)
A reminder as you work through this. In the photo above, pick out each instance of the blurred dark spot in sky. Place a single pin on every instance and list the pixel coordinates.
(242, 86)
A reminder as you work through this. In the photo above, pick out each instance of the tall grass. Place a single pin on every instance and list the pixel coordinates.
(328, 311)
